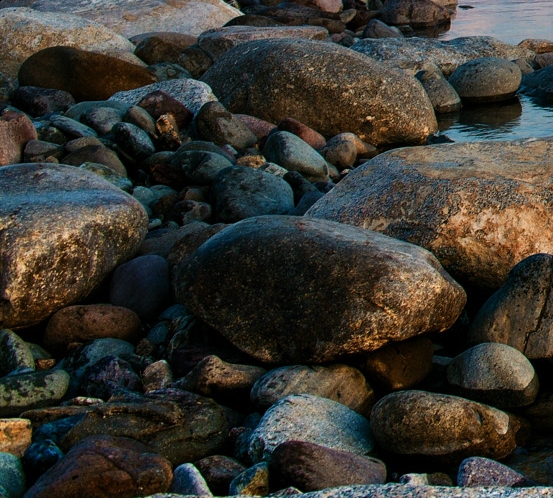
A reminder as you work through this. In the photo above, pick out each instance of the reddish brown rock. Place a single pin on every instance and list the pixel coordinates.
(16, 129)
(159, 103)
(307, 134)
(85, 75)
(219, 471)
(105, 466)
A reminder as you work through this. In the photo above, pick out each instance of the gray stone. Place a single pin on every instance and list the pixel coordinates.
(86, 225)
(12, 476)
(187, 480)
(480, 207)
(486, 79)
(217, 41)
(495, 374)
(16, 130)
(416, 13)
(301, 323)
(304, 417)
(26, 31)
(443, 96)
(539, 83)
(37, 151)
(519, 313)
(255, 78)
(340, 383)
(416, 53)
(71, 127)
(292, 153)
(459, 428)
(98, 154)
(239, 192)
(101, 119)
(109, 175)
(378, 29)
(479, 471)
(15, 354)
(133, 140)
(31, 390)
(192, 93)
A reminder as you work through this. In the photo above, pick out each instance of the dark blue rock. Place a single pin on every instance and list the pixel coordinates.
(39, 457)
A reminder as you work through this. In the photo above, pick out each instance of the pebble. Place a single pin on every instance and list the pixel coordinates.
(12, 476)
(15, 436)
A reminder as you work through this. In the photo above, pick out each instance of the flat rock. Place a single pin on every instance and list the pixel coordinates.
(255, 78)
(26, 31)
(376, 279)
(480, 207)
(129, 19)
(87, 227)
(459, 428)
(415, 53)
(304, 417)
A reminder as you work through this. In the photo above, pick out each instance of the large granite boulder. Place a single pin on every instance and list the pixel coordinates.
(63, 230)
(324, 86)
(24, 31)
(138, 17)
(280, 305)
(479, 207)
(415, 53)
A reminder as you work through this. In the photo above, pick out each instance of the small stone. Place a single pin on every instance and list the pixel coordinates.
(108, 376)
(39, 457)
(443, 96)
(98, 154)
(71, 127)
(16, 129)
(133, 140)
(187, 480)
(158, 103)
(480, 471)
(36, 151)
(102, 119)
(12, 476)
(307, 134)
(15, 436)
(219, 471)
(15, 354)
(157, 375)
(41, 101)
(253, 481)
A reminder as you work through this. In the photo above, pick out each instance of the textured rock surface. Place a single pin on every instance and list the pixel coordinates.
(480, 207)
(439, 428)
(16, 130)
(478, 471)
(26, 31)
(255, 77)
(416, 13)
(374, 278)
(312, 419)
(86, 226)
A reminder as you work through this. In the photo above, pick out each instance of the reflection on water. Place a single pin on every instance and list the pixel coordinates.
(511, 21)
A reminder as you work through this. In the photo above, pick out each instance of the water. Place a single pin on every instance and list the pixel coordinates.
(510, 21)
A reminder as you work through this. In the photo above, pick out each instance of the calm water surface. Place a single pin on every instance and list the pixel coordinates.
(511, 21)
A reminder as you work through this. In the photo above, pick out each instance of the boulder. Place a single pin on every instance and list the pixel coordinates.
(16, 130)
(486, 79)
(324, 86)
(26, 31)
(539, 83)
(416, 13)
(375, 278)
(86, 225)
(308, 418)
(85, 75)
(440, 429)
(519, 313)
(129, 19)
(494, 373)
(480, 207)
(416, 53)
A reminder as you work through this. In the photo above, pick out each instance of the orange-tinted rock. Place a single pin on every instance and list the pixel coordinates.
(16, 129)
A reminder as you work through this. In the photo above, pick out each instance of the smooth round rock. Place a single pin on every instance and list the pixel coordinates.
(86, 225)
(219, 471)
(304, 417)
(187, 480)
(12, 476)
(39, 457)
(15, 354)
(440, 429)
(487, 79)
(494, 373)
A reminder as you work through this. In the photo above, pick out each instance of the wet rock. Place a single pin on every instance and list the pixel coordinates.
(518, 313)
(311, 467)
(219, 471)
(479, 471)
(12, 477)
(181, 426)
(87, 227)
(187, 480)
(16, 130)
(292, 153)
(15, 436)
(26, 31)
(251, 78)
(304, 417)
(239, 192)
(485, 205)
(191, 93)
(340, 383)
(399, 365)
(417, 53)
(31, 390)
(400, 423)
(217, 41)
(16, 355)
(341, 257)
(253, 481)
(142, 285)
(443, 96)
(84, 323)
(495, 374)
(487, 79)
(126, 466)
(40, 101)
(416, 13)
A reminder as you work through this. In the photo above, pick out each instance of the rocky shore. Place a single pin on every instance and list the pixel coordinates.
(237, 258)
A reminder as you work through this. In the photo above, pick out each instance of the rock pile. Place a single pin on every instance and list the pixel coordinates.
(215, 281)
